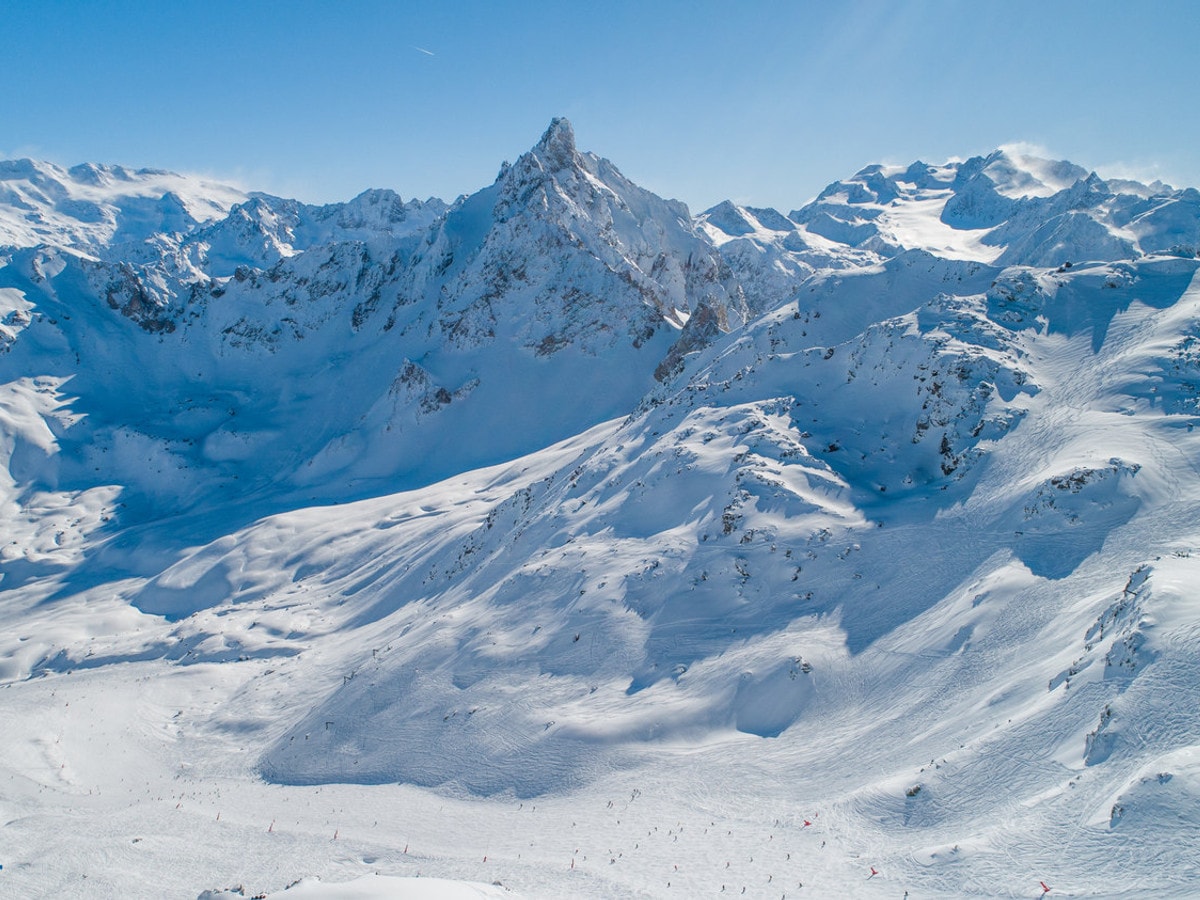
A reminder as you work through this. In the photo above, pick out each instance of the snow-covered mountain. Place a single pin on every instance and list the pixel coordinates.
(857, 541)
(90, 207)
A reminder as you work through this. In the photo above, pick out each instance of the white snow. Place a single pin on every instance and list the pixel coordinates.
(91, 205)
(383, 887)
(918, 224)
(396, 549)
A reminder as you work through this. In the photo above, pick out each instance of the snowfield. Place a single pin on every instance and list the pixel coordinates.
(557, 543)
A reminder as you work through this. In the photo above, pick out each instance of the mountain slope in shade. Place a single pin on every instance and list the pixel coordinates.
(558, 538)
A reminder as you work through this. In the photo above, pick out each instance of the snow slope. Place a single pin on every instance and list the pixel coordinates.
(555, 542)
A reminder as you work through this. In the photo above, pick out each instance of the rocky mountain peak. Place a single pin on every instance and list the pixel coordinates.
(557, 145)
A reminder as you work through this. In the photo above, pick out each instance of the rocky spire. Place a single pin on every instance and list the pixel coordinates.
(557, 146)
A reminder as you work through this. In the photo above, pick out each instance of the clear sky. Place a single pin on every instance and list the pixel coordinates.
(760, 102)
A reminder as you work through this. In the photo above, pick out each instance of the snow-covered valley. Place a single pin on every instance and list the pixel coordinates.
(555, 542)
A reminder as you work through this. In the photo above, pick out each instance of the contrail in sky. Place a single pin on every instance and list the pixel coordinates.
(423, 50)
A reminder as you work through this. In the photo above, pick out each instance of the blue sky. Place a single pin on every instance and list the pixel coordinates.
(761, 102)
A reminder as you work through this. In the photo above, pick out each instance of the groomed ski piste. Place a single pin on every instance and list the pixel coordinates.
(557, 543)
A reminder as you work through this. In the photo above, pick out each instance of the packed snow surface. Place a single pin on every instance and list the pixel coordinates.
(555, 542)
